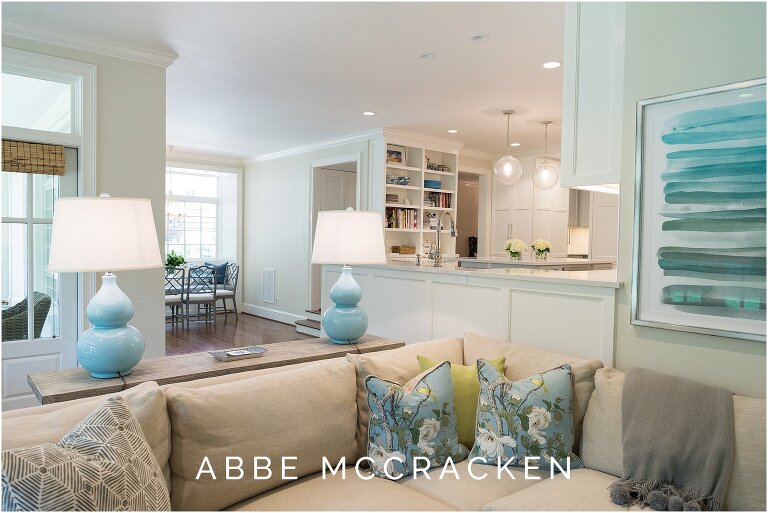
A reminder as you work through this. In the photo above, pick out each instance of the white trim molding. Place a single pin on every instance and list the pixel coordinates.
(329, 143)
(477, 154)
(271, 313)
(91, 44)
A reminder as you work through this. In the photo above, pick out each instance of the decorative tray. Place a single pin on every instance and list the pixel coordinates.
(238, 353)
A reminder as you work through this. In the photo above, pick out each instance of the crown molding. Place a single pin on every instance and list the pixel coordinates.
(175, 154)
(411, 139)
(477, 154)
(328, 143)
(91, 44)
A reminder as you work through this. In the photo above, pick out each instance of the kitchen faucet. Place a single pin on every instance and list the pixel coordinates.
(435, 254)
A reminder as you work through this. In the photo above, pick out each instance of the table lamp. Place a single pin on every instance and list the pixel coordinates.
(347, 237)
(106, 234)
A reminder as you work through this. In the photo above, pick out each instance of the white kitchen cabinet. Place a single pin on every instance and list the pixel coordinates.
(523, 211)
(578, 208)
(604, 226)
(593, 81)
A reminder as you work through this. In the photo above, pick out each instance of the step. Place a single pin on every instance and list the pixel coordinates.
(313, 315)
(308, 327)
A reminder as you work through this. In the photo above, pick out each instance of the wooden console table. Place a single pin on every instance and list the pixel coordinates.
(65, 385)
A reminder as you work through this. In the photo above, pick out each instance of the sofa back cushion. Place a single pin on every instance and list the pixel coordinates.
(523, 361)
(602, 448)
(49, 423)
(307, 413)
(398, 365)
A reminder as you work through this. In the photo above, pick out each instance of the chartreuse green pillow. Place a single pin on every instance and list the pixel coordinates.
(466, 389)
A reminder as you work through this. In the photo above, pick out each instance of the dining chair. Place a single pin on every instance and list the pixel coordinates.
(228, 290)
(201, 292)
(174, 294)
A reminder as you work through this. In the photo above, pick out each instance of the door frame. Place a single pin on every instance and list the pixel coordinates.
(82, 77)
(318, 163)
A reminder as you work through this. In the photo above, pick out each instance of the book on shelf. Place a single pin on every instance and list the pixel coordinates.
(439, 199)
(402, 218)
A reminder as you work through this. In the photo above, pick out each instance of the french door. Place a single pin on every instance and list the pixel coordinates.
(39, 308)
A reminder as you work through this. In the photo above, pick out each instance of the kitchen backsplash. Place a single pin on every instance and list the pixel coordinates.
(578, 238)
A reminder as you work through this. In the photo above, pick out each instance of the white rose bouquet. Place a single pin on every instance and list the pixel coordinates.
(515, 247)
(541, 246)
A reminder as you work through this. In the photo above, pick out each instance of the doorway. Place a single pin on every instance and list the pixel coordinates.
(334, 187)
(467, 214)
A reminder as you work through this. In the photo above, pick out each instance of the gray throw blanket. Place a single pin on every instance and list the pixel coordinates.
(678, 443)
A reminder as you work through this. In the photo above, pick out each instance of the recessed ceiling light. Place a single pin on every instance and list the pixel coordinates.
(551, 65)
(369, 113)
(745, 95)
(514, 144)
(426, 56)
(479, 37)
(453, 131)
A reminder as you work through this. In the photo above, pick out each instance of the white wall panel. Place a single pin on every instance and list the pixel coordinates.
(461, 308)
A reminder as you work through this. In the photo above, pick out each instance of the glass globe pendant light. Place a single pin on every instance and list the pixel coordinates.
(546, 175)
(507, 170)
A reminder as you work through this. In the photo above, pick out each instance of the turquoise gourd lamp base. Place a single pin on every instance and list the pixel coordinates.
(111, 348)
(345, 322)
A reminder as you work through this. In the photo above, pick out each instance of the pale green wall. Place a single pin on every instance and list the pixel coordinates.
(671, 48)
(130, 161)
(276, 222)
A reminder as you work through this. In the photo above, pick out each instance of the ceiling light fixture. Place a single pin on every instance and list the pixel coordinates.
(426, 56)
(551, 65)
(514, 144)
(546, 175)
(507, 170)
(453, 131)
(479, 37)
(369, 113)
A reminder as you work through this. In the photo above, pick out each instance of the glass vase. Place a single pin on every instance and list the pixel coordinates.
(515, 256)
(540, 256)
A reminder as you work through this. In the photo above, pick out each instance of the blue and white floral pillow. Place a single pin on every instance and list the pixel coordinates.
(530, 417)
(412, 421)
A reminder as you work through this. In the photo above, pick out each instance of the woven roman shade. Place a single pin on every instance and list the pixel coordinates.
(24, 157)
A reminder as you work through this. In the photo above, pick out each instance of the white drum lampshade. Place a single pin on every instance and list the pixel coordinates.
(349, 237)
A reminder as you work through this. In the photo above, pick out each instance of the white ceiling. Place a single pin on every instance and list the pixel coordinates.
(256, 78)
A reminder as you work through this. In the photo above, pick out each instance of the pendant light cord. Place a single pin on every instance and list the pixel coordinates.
(509, 152)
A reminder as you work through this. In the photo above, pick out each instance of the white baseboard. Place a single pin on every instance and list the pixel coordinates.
(271, 313)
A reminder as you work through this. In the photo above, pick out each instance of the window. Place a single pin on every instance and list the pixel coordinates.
(201, 213)
(37, 104)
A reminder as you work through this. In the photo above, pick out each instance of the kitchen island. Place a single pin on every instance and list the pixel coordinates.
(528, 262)
(566, 311)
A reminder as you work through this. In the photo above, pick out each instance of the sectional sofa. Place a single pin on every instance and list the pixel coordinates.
(319, 409)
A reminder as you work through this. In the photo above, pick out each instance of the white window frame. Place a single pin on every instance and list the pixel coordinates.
(193, 166)
(82, 77)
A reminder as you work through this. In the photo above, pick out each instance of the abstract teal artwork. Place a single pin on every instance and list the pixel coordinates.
(700, 204)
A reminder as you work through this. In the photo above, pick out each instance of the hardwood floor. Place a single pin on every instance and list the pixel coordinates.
(249, 330)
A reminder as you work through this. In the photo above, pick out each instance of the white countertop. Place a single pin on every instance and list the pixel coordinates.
(603, 278)
(529, 261)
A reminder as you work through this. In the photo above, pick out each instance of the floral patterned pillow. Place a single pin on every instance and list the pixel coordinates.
(415, 420)
(530, 417)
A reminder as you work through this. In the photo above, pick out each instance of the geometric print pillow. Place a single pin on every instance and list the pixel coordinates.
(527, 418)
(103, 464)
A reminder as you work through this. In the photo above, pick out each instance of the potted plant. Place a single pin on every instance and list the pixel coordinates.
(174, 259)
(541, 248)
(515, 248)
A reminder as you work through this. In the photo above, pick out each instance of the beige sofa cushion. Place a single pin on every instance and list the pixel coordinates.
(312, 493)
(466, 493)
(398, 365)
(523, 361)
(49, 423)
(602, 445)
(308, 413)
(587, 490)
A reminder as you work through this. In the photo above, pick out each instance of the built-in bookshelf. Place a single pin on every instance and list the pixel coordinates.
(420, 185)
